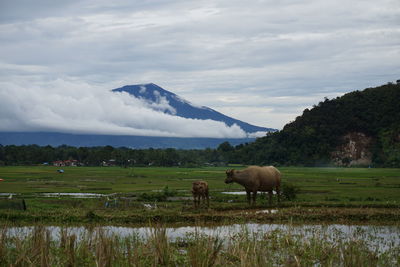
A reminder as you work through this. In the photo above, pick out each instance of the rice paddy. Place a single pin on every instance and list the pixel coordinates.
(339, 217)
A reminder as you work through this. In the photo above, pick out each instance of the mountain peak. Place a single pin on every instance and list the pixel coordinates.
(153, 93)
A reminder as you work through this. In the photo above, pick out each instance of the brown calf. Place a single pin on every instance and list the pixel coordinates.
(200, 191)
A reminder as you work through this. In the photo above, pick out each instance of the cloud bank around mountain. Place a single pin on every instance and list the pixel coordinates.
(73, 107)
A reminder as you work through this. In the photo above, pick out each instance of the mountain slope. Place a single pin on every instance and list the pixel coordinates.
(153, 93)
(359, 128)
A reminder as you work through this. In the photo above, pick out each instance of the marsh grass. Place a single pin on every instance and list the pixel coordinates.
(202, 250)
(97, 247)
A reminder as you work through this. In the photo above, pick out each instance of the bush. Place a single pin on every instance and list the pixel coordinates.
(158, 196)
(289, 191)
(169, 192)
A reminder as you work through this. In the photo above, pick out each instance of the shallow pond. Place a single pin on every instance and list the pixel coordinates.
(380, 238)
(73, 195)
(243, 193)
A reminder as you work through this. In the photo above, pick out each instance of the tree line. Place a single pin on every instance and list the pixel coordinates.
(122, 156)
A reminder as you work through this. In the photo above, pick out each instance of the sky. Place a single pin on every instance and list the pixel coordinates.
(262, 62)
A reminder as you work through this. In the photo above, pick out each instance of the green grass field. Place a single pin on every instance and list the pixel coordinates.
(315, 184)
(352, 188)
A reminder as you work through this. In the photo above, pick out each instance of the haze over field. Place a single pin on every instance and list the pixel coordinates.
(261, 62)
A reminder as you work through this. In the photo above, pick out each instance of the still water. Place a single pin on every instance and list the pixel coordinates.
(377, 237)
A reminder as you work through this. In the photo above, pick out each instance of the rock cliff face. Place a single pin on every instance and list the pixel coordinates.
(354, 151)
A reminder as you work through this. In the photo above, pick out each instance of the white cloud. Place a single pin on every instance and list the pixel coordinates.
(73, 107)
(142, 89)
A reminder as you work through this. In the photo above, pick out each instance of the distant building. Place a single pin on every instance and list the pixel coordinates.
(69, 162)
(109, 163)
(398, 81)
(58, 163)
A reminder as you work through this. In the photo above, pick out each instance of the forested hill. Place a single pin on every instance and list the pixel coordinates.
(361, 128)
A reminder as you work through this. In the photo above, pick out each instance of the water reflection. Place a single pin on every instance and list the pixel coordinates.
(243, 192)
(73, 195)
(377, 237)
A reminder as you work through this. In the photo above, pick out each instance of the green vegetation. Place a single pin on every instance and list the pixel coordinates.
(272, 248)
(313, 184)
(312, 137)
(139, 195)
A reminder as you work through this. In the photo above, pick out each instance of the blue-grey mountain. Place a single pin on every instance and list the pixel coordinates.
(153, 93)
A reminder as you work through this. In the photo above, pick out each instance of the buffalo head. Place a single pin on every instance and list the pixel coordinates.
(229, 176)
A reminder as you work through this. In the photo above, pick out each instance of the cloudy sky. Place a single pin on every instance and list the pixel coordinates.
(262, 62)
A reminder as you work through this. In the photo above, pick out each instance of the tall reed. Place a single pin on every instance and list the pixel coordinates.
(97, 247)
(204, 250)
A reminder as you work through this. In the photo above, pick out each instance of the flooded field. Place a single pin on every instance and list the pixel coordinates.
(233, 245)
(72, 195)
(243, 193)
(378, 237)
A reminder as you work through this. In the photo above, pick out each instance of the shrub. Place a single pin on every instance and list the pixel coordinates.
(169, 192)
(158, 196)
(289, 191)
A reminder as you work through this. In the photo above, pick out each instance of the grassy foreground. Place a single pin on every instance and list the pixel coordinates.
(140, 195)
(274, 248)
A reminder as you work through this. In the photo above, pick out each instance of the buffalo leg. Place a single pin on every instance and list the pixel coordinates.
(270, 197)
(248, 197)
(278, 193)
(254, 197)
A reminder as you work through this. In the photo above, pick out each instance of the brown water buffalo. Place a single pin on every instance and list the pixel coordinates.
(200, 191)
(256, 178)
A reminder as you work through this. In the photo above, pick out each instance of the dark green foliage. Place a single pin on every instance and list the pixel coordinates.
(91, 216)
(158, 196)
(169, 192)
(312, 137)
(14, 204)
(104, 156)
(289, 191)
